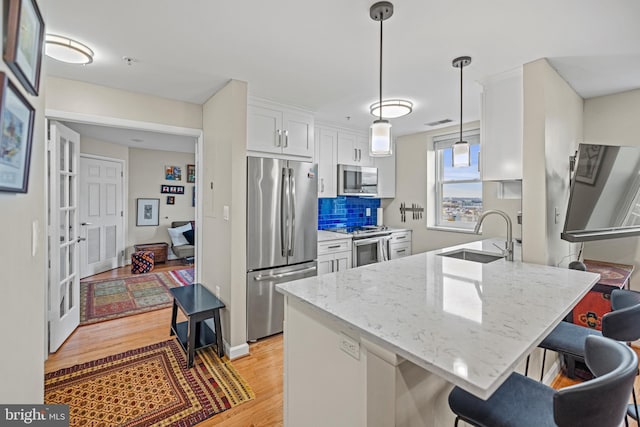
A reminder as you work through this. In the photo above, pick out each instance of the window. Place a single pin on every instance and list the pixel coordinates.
(458, 190)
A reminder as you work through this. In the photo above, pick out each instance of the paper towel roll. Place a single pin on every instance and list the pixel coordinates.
(380, 221)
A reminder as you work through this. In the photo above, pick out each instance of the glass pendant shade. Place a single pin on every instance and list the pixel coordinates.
(380, 138)
(461, 154)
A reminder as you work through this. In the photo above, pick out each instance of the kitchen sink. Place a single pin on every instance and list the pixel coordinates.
(473, 255)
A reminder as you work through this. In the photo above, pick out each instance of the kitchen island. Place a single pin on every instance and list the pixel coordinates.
(383, 344)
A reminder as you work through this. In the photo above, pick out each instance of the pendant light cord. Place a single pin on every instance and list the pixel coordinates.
(461, 67)
(380, 87)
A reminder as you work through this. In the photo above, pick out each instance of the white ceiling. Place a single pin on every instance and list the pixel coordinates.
(323, 56)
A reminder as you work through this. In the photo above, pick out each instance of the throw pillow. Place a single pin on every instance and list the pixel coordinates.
(189, 236)
(177, 238)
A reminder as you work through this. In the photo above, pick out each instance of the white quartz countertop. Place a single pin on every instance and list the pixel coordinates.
(324, 236)
(469, 323)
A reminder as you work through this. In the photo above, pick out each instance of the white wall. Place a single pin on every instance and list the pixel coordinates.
(610, 120)
(85, 98)
(224, 184)
(97, 147)
(24, 273)
(552, 130)
(146, 175)
(414, 183)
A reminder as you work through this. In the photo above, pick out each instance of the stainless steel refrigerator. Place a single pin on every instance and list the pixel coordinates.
(282, 230)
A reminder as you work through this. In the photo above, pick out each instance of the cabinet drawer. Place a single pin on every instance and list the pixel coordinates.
(399, 250)
(334, 246)
(401, 236)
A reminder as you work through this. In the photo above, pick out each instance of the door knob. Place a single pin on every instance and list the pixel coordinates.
(81, 239)
(86, 223)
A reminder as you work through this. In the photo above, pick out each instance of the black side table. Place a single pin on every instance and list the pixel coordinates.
(198, 304)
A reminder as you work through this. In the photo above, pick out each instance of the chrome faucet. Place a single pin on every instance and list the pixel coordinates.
(508, 251)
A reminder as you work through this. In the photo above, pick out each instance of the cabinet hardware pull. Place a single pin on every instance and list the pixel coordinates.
(334, 247)
(279, 139)
(401, 250)
(401, 237)
(333, 265)
(355, 154)
(286, 138)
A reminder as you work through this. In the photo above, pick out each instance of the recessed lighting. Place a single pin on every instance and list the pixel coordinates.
(391, 108)
(67, 50)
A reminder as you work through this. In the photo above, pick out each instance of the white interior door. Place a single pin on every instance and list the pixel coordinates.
(64, 280)
(101, 216)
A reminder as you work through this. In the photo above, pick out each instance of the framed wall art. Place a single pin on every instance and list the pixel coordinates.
(171, 200)
(173, 173)
(24, 35)
(16, 125)
(589, 160)
(148, 212)
(172, 189)
(191, 174)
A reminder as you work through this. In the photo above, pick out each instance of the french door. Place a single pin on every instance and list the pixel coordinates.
(63, 234)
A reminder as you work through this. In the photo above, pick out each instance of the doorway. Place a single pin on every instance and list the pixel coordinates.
(121, 125)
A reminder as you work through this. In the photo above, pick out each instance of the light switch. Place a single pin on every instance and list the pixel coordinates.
(225, 213)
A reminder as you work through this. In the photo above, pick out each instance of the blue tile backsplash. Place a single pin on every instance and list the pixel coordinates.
(346, 211)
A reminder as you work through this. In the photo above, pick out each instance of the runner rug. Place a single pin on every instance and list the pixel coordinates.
(148, 386)
(108, 299)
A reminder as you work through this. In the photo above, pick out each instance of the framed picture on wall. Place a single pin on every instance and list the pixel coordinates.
(171, 200)
(24, 35)
(191, 174)
(172, 189)
(173, 173)
(16, 125)
(148, 212)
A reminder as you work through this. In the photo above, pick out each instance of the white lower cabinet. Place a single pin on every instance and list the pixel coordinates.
(400, 244)
(334, 255)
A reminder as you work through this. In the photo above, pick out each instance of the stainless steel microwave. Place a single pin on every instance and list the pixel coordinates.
(357, 181)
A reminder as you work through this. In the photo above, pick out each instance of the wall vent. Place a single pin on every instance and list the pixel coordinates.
(439, 122)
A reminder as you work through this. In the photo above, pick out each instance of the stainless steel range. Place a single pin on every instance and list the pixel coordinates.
(370, 243)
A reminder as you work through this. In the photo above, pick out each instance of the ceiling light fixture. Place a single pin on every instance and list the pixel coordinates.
(461, 150)
(393, 108)
(380, 134)
(67, 50)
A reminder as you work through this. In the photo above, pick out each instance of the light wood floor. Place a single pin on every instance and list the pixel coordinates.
(262, 368)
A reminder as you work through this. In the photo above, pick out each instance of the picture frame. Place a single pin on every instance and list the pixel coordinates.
(589, 161)
(173, 173)
(191, 174)
(24, 37)
(148, 212)
(172, 189)
(171, 200)
(16, 137)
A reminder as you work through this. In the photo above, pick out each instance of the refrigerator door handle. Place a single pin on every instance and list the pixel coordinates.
(283, 212)
(283, 275)
(292, 196)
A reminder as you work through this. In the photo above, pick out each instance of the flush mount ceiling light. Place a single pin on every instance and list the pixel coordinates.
(461, 150)
(67, 50)
(380, 134)
(391, 108)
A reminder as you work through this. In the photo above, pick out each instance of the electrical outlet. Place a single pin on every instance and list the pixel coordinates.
(225, 213)
(350, 346)
(368, 211)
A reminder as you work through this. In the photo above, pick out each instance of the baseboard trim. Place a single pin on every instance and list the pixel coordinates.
(236, 351)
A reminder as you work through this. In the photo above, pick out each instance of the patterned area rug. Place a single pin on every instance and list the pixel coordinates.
(148, 386)
(184, 276)
(108, 299)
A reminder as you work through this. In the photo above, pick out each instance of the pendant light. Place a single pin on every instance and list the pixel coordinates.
(380, 134)
(461, 151)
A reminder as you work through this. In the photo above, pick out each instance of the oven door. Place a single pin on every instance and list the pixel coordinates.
(371, 250)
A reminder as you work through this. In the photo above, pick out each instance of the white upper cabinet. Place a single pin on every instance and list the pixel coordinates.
(353, 149)
(326, 156)
(501, 127)
(279, 130)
